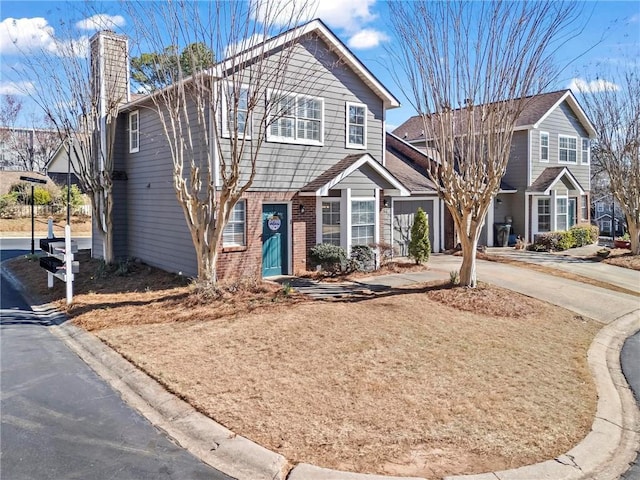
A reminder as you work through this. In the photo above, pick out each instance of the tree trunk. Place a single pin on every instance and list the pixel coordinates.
(634, 234)
(468, 276)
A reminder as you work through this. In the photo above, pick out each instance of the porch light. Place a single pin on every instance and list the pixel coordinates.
(385, 203)
(301, 209)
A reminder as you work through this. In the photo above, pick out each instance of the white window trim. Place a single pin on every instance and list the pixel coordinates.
(356, 146)
(582, 151)
(536, 216)
(296, 141)
(136, 114)
(375, 218)
(224, 113)
(244, 225)
(556, 212)
(577, 149)
(548, 147)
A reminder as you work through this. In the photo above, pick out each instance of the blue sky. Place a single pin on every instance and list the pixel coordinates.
(612, 30)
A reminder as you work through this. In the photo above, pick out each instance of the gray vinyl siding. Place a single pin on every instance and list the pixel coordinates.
(363, 182)
(317, 72)
(119, 213)
(516, 177)
(157, 230)
(561, 121)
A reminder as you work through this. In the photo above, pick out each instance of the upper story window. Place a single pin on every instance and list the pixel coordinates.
(134, 131)
(586, 151)
(233, 234)
(544, 147)
(296, 119)
(235, 111)
(600, 207)
(567, 149)
(356, 128)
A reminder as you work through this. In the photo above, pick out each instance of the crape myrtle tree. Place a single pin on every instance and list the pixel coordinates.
(85, 123)
(215, 119)
(614, 109)
(469, 68)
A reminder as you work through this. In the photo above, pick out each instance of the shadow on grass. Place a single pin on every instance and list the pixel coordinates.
(168, 301)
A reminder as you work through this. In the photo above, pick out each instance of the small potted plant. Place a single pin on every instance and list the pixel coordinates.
(623, 241)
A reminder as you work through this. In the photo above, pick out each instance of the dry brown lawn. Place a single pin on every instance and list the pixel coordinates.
(21, 226)
(622, 257)
(402, 383)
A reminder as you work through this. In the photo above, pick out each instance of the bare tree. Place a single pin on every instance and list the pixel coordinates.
(216, 119)
(84, 120)
(614, 109)
(470, 67)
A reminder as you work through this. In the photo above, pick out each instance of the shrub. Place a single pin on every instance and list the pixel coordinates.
(41, 196)
(76, 199)
(584, 234)
(454, 277)
(362, 259)
(553, 241)
(331, 258)
(419, 245)
(385, 251)
(8, 206)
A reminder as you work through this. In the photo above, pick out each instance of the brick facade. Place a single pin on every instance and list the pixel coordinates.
(236, 262)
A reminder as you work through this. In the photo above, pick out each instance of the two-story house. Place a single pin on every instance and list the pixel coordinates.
(320, 174)
(608, 216)
(547, 181)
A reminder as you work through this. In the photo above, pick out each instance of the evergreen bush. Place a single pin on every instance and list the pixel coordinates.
(419, 245)
(362, 259)
(331, 258)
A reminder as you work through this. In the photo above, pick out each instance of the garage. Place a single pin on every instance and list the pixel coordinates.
(403, 212)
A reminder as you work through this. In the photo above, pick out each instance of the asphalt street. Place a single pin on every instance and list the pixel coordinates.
(60, 420)
(631, 369)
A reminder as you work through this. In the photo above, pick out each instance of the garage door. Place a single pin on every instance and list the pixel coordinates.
(403, 214)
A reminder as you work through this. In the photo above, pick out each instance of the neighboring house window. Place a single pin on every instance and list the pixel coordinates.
(600, 207)
(363, 220)
(586, 151)
(356, 128)
(233, 234)
(296, 119)
(544, 147)
(235, 111)
(331, 222)
(544, 214)
(561, 213)
(134, 131)
(567, 149)
(606, 226)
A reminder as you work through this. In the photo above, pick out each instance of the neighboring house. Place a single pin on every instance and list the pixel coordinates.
(327, 186)
(547, 181)
(603, 217)
(63, 163)
(26, 149)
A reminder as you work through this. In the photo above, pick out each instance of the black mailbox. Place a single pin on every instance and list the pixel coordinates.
(51, 264)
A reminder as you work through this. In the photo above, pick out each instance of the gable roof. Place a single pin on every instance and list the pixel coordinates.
(314, 26)
(408, 164)
(537, 109)
(549, 177)
(321, 185)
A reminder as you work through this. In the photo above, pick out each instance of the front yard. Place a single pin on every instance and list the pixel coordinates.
(405, 382)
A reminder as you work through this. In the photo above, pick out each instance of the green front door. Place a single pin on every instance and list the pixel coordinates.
(274, 239)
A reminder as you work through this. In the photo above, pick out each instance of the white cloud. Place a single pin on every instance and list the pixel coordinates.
(584, 86)
(16, 88)
(101, 21)
(346, 15)
(25, 35)
(367, 38)
(634, 18)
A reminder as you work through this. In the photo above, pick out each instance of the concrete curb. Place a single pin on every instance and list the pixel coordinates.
(603, 454)
(606, 452)
(209, 441)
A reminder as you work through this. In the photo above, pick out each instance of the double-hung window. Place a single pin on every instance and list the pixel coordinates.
(586, 151)
(331, 222)
(134, 131)
(296, 119)
(544, 147)
(356, 127)
(544, 214)
(561, 213)
(363, 221)
(235, 111)
(233, 234)
(567, 149)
